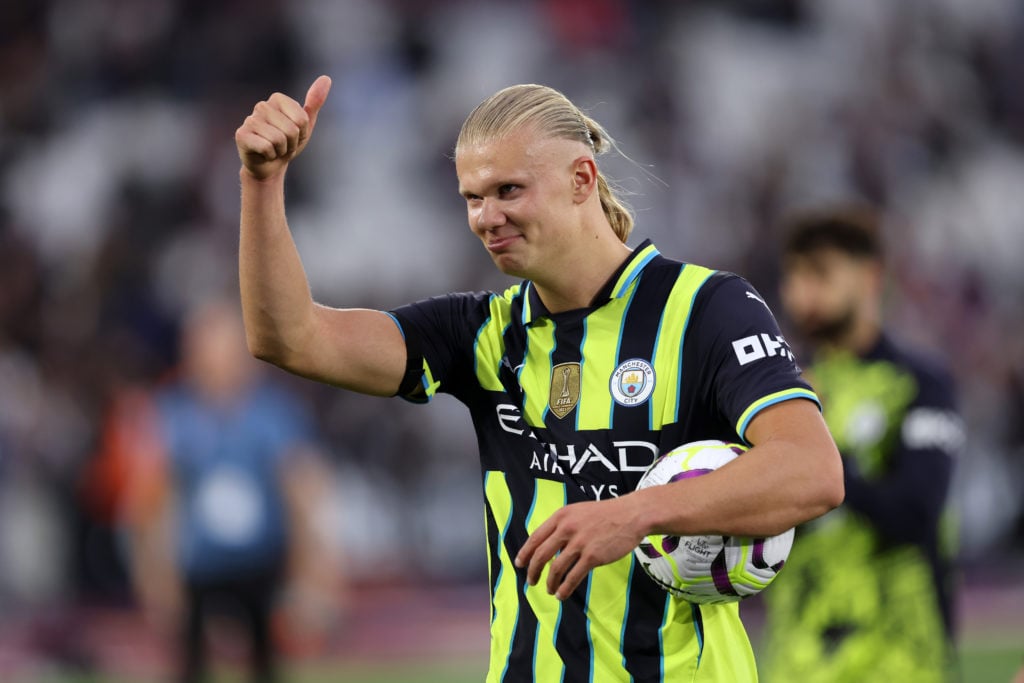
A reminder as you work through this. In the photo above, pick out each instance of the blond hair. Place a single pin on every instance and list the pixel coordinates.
(550, 113)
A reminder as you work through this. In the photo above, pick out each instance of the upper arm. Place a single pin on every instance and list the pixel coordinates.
(755, 385)
(354, 348)
(797, 423)
(796, 429)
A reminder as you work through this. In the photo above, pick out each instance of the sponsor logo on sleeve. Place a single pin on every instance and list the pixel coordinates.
(758, 346)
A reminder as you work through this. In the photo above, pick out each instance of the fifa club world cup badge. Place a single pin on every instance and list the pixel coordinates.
(565, 389)
(632, 382)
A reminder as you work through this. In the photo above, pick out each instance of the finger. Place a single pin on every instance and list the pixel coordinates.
(270, 115)
(289, 109)
(559, 568)
(544, 553)
(525, 553)
(253, 145)
(572, 580)
(315, 98)
(277, 138)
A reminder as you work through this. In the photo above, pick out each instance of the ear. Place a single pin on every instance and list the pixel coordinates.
(584, 179)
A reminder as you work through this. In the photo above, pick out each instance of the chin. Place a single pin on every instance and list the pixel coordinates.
(509, 265)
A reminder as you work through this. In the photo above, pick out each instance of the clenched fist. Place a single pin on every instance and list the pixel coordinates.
(278, 130)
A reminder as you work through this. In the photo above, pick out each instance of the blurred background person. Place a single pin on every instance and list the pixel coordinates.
(224, 501)
(867, 593)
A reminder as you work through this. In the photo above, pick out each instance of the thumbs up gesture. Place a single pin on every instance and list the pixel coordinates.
(278, 130)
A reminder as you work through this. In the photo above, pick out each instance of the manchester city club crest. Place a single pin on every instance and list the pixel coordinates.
(565, 389)
(632, 382)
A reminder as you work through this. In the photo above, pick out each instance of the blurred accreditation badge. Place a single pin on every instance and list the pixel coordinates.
(565, 389)
(229, 506)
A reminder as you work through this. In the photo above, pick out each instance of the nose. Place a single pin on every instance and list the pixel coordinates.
(487, 216)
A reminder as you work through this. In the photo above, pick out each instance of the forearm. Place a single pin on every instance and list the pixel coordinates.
(758, 494)
(276, 301)
(791, 476)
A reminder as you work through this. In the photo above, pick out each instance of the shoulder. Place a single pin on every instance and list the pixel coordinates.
(449, 315)
(454, 303)
(725, 294)
(692, 281)
(721, 284)
(709, 284)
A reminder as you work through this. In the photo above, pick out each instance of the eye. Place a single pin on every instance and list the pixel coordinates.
(507, 188)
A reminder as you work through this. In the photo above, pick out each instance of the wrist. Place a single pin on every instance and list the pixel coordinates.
(646, 512)
(659, 510)
(247, 176)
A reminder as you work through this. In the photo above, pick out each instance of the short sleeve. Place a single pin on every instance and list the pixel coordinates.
(439, 335)
(745, 363)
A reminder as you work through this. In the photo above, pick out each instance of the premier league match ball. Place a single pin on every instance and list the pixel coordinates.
(707, 569)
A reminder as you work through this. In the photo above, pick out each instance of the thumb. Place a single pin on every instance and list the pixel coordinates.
(315, 98)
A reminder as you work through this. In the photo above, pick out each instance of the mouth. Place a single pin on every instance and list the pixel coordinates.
(498, 245)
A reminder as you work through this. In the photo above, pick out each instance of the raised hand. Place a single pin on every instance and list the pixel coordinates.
(278, 130)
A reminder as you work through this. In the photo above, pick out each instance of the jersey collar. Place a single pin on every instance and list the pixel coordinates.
(616, 287)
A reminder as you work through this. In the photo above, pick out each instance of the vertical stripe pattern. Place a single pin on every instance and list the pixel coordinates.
(547, 664)
(504, 601)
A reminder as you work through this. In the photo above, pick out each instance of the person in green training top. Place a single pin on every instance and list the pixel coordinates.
(866, 594)
(576, 379)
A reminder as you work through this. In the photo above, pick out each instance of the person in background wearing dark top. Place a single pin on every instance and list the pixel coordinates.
(867, 592)
(225, 492)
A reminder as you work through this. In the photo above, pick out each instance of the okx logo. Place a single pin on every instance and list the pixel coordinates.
(758, 346)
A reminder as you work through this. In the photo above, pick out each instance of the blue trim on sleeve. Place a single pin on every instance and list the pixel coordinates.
(397, 324)
(757, 406)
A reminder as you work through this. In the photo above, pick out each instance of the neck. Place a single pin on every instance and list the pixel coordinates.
(582, 273)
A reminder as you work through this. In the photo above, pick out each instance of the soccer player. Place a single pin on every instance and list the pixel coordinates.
(866, 591)
(603, 357)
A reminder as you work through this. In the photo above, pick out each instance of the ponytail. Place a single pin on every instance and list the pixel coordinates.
(615, 209)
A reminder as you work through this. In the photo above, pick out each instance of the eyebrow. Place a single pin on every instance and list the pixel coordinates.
(513, 179)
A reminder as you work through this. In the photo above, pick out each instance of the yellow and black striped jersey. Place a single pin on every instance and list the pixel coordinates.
(574, 406)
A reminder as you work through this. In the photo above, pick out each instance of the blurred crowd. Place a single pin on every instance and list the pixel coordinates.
(119, 199)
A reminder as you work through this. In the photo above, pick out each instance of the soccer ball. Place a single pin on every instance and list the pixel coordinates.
(707, 569)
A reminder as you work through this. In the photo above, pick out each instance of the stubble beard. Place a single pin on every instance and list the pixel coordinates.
(831, 331)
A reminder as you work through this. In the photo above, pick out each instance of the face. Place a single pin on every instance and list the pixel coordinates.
(825, 292)
(522, 198)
